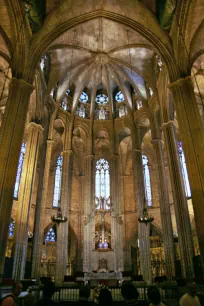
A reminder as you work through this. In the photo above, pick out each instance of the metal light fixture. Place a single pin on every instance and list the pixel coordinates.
(145, 218)
(59, 218)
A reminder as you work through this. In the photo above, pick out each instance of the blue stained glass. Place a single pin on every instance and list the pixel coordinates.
(147, 182)
(184, 170)
(101, 99)
(84, 97)
(58, 177)
(119, 97)
(19, 170)
(51, 236)
(11, 229)
(102, 180)
(68, 92)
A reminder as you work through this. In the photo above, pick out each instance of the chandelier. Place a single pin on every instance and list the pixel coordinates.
(145, 218)
(59, 218)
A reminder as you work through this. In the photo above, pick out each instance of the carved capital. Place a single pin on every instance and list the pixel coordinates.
(119, 219)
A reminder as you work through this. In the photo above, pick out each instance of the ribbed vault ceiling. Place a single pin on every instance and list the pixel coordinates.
(100, 54)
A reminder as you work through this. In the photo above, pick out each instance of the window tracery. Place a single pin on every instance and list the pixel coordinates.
(57, 186)
(102, 183)
(84, 97)
(101, 99)
(119, 97)
(19, 170)
(51, 236)
(147, 182)
(184, 170)
(11, 229)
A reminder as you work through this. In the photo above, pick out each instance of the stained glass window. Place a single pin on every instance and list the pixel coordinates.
(101, 99)
(11, 229)
(58, 177)
(147, 182)
(102, 183)
(184, 170)
(68, 92)
(19, 170)
(122, 110)
(84, 97)
(119, 97)
(139, 104)
(82, 111)
(51, 236)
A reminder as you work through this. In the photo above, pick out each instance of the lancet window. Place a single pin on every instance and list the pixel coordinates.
(51, 236)
(184, 170)
(147, 181)
(19, 170)
(58, 178)
(102, 184)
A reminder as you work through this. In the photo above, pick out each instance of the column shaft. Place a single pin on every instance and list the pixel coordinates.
(89, 224)
(143, 230)
(11, 134)
(180, 202)
(62, 230)
(117, 221)
(24, 199)
(165, 210)
(40, 216)
(191, 127)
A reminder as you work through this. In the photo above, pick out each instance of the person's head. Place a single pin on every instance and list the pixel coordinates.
(154, 295)
(191, 288)
(84, 292)
(105, 297)
(129, 292)
(17, 288)
(49, 289)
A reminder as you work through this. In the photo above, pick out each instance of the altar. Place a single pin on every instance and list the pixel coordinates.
(108, 278)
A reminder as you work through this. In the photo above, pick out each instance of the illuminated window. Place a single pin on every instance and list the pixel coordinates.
(19, 170)
(11, 229)
(68, 92)
(147, 182)
(122, 110)
(51, 236)
(119, 97)
(84, 97)
(101, 99)
(184, 170)
(139, 104)
(102, 184)
(58, 177)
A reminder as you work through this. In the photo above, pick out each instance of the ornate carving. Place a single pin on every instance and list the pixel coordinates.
(119, 219)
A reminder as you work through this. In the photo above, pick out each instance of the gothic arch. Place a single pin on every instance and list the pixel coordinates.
(55, 26)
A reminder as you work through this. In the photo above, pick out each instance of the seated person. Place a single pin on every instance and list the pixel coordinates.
(154, 296)
(84, 293)
(130, 294)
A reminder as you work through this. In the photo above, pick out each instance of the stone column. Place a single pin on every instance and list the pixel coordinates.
(40, 216)
(11, 135)
(143, 230)
(24, 199)
(165, 210)
(180, 202)
(88, 214)
(62, 229)
(117, 221)
(191, 127)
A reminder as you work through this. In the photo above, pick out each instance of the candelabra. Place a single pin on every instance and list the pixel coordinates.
(145, 218)
(59, 218)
